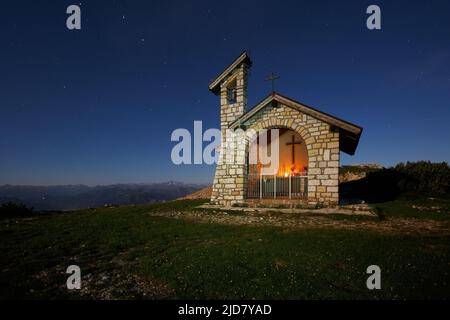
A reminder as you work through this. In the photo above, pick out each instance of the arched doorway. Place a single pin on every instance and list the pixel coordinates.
(288, 178)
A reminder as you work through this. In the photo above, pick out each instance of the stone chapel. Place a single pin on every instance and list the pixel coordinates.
(309, 141)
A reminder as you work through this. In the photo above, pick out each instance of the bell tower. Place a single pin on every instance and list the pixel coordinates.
(231, 86)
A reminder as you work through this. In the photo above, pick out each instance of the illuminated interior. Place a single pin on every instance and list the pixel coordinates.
(293, 155)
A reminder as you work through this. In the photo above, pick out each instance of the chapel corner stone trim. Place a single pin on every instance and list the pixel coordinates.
(324, 136)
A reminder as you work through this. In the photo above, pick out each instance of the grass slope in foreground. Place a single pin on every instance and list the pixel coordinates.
(126, 253)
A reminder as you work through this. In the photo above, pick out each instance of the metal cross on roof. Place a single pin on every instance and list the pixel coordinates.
(272, 78)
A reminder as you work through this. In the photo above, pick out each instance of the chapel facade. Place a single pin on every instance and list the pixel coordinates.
(309, 143)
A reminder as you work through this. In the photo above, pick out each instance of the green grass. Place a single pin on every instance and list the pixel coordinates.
(197, 260)
(416, 207)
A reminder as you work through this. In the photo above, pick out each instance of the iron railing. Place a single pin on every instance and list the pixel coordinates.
(264, 187)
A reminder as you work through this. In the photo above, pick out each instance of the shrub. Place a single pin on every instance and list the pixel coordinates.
(420, 178)
(424, 177)
(13, 209)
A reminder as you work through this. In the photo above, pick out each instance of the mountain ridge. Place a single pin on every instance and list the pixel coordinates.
(71, 197)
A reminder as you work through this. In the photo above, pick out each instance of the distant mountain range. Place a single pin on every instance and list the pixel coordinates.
(70, 197)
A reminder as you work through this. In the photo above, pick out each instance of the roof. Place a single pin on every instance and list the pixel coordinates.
(214, 85)
(349, 132)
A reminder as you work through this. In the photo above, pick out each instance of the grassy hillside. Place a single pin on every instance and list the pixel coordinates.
(140, 252)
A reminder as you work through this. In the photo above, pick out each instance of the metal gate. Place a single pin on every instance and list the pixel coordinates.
(264, 187)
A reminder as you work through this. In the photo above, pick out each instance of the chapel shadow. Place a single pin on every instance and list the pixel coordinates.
(377, 186)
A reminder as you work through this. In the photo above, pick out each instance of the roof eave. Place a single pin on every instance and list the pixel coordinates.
(214, 85)
(348, 142)
(349, 133)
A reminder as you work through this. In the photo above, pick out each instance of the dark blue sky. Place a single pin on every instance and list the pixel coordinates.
(98, 106)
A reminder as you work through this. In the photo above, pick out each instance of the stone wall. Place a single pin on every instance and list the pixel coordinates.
(322, 144)
(229, 184)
